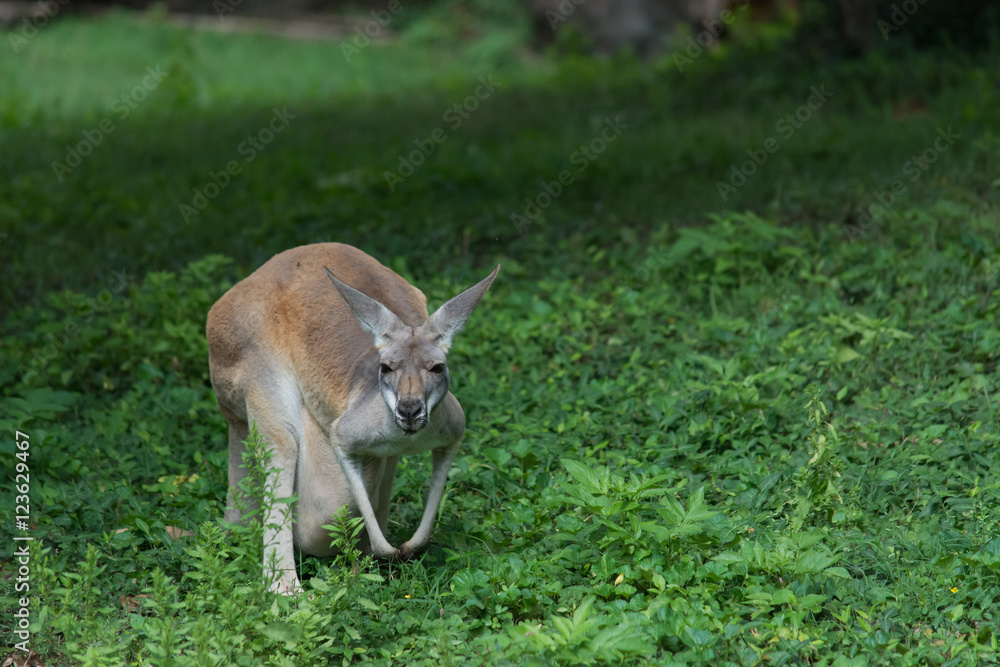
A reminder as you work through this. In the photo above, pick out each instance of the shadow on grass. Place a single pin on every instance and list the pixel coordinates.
(176, 180)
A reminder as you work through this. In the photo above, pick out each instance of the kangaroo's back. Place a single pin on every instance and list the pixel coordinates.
(286, 317)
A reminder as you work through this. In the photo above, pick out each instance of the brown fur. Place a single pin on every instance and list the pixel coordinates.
(287, 306)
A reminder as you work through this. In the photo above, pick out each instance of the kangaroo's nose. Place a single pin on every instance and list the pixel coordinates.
(409, 409)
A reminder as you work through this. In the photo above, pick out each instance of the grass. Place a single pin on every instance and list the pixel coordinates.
(759, 430)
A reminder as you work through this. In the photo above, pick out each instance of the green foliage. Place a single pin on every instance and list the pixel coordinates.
(219, 610)
(754, 440)
(794, 469)
(344, 532)
(817, 483)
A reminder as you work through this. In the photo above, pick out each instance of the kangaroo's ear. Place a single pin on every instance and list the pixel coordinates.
(449, 319)
(374, 317)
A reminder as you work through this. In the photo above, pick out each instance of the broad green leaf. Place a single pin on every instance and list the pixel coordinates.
(811, 601)
(583, 475)
(844, 355)
(812, 561)
(783, 596)
(368, 604)
(282, 631)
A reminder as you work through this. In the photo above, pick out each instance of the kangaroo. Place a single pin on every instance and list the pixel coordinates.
(335, 358)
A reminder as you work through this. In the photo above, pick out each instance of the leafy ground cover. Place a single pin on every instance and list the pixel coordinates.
(759, 430)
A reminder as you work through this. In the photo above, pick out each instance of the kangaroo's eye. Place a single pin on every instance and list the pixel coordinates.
(437, 368)
(384, 369)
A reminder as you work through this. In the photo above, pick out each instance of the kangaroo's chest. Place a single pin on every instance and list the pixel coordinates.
(369, 429)
(385, 439)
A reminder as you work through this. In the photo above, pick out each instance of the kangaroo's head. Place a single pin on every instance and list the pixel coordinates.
(413, 369)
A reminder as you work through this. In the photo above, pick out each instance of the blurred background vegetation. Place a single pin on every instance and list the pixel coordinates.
(720, 412)
(697, 92)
